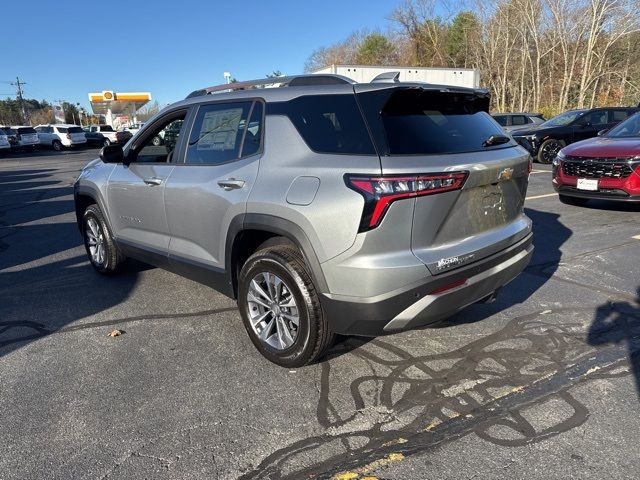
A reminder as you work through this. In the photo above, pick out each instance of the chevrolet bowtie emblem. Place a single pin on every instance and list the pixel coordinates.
(505, 174)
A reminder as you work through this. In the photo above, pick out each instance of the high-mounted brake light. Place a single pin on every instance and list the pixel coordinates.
(380, 192)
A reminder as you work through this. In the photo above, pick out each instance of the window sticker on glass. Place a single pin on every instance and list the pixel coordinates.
(219, 130)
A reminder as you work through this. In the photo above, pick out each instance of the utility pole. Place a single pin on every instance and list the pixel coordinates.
(18, 84)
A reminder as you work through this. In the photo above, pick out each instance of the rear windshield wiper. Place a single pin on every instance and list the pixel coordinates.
(496, 140)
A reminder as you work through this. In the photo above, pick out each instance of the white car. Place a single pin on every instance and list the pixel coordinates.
(134, 127)
(4, 141)
(107, 132)
(27, 137)
(60, 136)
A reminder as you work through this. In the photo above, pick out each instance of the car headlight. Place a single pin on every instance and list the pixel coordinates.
(559, 157)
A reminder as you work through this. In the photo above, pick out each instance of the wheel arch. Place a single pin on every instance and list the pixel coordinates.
(84, 196)
(248, 231)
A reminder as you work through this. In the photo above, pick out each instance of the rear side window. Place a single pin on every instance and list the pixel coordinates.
(328, 123)
(519, 120)
(412, 121)
(618, 115)
(218, 133)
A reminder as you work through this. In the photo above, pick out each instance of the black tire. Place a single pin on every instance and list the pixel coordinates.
(106, 142)
(549, 149)
(57, 145)
(575, 201)
(156, 141)
(313, 335)
(112, 258)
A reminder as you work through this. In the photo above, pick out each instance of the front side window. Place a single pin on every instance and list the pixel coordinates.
(501, 119)
(599, 117)
(218, 133)
(159, 144)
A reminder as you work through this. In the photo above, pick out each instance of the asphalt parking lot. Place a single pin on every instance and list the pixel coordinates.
(543, 383)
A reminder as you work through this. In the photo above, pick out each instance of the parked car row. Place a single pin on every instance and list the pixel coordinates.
(59, 136)
(544, 139)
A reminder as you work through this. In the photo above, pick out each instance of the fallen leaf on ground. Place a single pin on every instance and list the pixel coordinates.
(115, 333)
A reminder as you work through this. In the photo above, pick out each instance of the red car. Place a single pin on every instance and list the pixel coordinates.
(606, 167)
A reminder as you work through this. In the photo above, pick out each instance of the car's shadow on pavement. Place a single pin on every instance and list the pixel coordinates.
(46, 282)
(619, 323)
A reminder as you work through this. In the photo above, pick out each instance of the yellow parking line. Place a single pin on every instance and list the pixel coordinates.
(541, 196)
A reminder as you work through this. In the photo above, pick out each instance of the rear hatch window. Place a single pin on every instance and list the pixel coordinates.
(26, 130)
(75, 130)
(414, 121)
(62, 129)
(106, 128)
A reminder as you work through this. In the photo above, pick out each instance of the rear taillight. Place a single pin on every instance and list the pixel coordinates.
(380, 192)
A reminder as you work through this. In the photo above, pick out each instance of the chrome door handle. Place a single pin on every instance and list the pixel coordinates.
(231, 184)
(153, 181)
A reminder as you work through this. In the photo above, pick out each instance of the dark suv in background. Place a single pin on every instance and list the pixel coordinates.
(544, 141)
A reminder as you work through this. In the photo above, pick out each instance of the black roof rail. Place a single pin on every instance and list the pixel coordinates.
(289, 81)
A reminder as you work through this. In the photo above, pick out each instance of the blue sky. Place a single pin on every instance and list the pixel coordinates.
(65, 49)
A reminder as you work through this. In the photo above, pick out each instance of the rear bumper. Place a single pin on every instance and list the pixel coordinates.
(416, 305)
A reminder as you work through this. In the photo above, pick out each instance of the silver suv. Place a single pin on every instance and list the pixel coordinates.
(323, 206)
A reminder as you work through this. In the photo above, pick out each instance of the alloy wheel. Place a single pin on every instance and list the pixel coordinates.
(273, 311)
(550, 151)
(95, 241)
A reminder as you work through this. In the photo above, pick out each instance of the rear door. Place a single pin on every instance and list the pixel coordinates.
(211, 184)
(426, 132)
(135, 192)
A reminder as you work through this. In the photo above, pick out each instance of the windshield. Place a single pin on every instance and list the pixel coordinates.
(563, 119)
(629, 128)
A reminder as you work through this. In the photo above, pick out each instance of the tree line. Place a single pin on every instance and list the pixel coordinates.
(534, 55)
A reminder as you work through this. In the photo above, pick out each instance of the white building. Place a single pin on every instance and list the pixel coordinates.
(460, 77)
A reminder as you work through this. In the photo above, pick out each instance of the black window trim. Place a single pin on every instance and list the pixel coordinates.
(151, 126)
(192, 121)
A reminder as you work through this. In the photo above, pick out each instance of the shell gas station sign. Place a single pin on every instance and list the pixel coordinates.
(110, 103)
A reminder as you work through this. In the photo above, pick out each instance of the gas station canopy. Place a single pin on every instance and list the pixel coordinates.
(109, 103)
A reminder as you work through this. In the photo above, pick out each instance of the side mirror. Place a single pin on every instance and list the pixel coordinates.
(603, 132)
(112, 154)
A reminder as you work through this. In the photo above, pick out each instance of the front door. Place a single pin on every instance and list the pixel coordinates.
(135, 192)
(212, 185)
